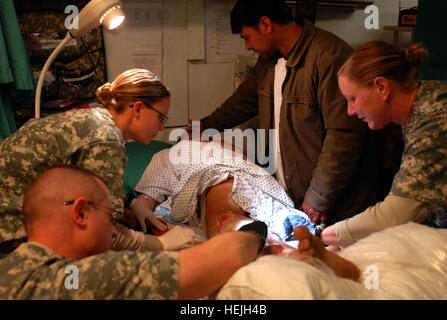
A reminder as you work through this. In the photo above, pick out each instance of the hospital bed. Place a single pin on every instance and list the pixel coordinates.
(404, 262)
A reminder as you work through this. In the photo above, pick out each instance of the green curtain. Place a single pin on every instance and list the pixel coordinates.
(16, 79)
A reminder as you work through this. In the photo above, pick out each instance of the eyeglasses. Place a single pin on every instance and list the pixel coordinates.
(161, 116)
(111, 210)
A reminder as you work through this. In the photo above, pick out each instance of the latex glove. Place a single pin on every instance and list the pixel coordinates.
(142, 213)
(178, 238)
(129, 239)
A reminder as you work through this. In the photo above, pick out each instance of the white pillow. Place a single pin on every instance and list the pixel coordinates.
(280, 278)
(411, 261)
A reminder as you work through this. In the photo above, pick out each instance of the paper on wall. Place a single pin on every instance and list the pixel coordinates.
(147, 58)
(220, 42)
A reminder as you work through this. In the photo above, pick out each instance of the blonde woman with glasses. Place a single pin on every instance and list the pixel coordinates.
(135, 106)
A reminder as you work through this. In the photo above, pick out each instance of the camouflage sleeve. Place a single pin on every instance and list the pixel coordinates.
(107, 160)
(36, 273)
(123, 275)
(422, 174)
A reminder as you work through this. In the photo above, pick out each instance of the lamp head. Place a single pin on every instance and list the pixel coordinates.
(97, 12)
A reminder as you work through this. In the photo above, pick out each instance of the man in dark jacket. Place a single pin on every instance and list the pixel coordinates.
(323, 155)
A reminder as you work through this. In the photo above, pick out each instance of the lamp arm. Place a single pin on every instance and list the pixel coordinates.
(44, 71)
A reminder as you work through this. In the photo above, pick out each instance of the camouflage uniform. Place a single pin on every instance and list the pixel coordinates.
(420, 186)
(423, 172)
(79, 69)
(34, 271)
(87, 138)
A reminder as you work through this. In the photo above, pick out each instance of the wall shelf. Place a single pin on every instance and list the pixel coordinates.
(397, 29)
(340, 5)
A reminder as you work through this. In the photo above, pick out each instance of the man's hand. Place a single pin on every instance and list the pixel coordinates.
(315, 216)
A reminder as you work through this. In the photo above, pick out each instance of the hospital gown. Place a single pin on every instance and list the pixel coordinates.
(178, 176)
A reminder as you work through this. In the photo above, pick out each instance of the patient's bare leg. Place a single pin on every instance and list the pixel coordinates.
(222, 214)
(310, 245)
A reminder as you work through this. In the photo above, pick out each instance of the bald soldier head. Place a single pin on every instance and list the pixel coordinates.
(69, 209)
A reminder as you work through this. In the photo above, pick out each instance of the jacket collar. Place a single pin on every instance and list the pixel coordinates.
(308, 33)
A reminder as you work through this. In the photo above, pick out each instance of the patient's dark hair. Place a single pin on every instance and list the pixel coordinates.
(249, 12)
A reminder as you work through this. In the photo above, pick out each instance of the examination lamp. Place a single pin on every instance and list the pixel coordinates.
(95, 13)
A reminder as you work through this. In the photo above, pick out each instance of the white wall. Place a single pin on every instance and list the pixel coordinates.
(198, 87)
(153, 37)
(350, 25)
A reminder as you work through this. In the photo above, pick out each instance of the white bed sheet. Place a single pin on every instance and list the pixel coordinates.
(403, 262)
